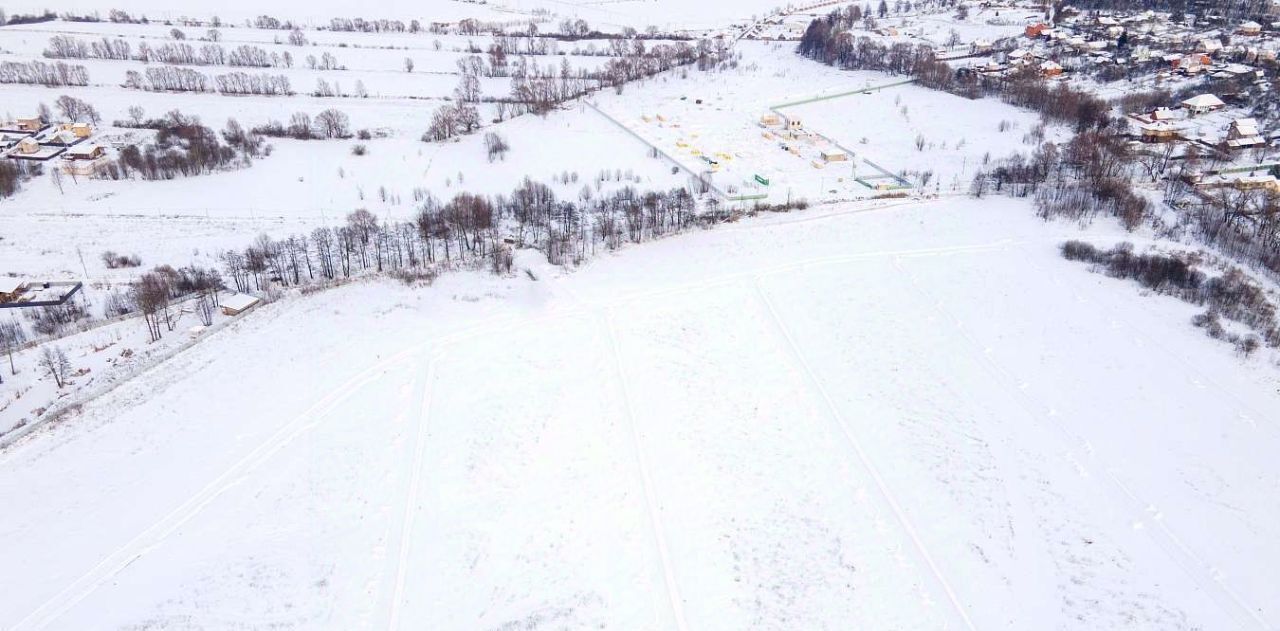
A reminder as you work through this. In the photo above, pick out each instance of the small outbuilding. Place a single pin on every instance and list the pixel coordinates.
(10, 288)
(236, 304)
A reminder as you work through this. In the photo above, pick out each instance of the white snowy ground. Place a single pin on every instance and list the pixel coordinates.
(916, 417)
(611, 15)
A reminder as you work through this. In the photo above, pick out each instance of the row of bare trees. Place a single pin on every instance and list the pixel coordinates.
(40, 73)
(178, 79)
(181, 53)
(467, 230)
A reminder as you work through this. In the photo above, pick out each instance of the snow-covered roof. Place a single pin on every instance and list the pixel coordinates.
(83, 149)
(1247, 127)
(10, 285)
(238, 302)
(1203, 100)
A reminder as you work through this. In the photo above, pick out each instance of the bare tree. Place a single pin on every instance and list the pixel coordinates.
(408, 64)
(55, 362)
(74, 109)
(205, 308)
(137, 114)
(151, 294)
(332, 123)
(496, 146)
(12, 336)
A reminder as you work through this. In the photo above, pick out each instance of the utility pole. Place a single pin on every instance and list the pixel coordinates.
(83, 267)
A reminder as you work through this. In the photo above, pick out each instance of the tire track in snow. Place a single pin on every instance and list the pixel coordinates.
(411, 496)
(158, 532)
(834, 414)
(1205, 575)
(151, 538)
(646, 477)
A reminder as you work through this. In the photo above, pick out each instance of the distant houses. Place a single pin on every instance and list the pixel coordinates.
(34, 140)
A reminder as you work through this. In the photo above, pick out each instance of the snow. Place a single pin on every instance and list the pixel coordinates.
(910, 415)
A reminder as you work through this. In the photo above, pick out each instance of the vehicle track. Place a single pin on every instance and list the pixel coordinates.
(652, 507)
(886, 495)
(151, 538)
(405, 544)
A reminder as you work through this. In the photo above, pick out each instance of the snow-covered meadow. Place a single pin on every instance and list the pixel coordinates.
(887, 414)
(907, 416)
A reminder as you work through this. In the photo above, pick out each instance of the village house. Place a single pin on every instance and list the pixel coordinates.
(1158, 132)
(79, 130)
(1244, 133)
(85, 159)
(1250, 29)
(1265, 182)
(63, 138)
(1050, 69)
(27, 146)
(1209, 46)
(30, 124)
(1203, 104)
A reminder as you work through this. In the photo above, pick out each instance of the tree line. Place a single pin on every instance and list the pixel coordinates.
(468, 230)
(39, 73)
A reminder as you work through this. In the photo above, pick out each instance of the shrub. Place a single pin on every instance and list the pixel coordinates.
(117, 261)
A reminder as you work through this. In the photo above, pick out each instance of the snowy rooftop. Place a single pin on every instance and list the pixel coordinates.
(238, 302)
(10, 285)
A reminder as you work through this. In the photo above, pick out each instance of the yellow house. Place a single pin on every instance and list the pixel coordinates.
(79, 130)
(30, 124)
(28, 146)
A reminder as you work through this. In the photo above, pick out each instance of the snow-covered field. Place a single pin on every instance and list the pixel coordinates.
(616, 14)
(911, 417)
(304, 184)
